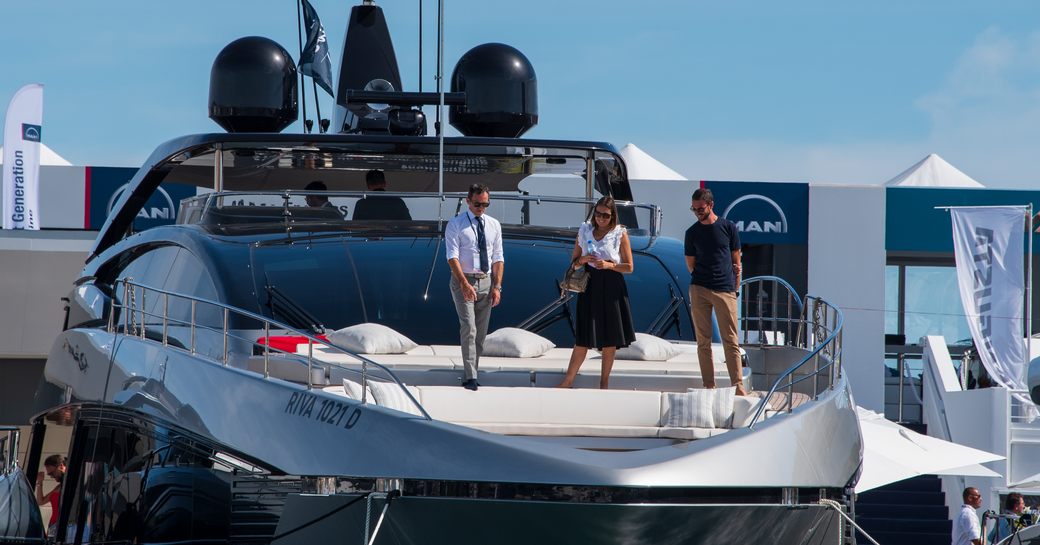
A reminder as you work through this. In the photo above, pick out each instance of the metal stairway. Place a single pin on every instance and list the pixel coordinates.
(910, 512)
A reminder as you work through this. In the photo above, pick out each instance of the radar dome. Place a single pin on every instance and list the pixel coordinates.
(501, 92)
(252, 86)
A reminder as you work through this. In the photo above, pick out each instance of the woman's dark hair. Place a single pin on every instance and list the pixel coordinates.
(606, 201)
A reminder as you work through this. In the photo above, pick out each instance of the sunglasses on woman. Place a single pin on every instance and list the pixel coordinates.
(604, 215)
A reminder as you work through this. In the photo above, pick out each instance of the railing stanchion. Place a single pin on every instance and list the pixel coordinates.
(901, 369)
(192, 326)
(127, 308)
(141, 321)
(364, 380)
(310, 363)
(267, 348)
(225, 335)
(787, 333)
(166, 320)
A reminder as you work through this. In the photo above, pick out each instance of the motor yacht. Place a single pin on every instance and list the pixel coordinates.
(219, 388)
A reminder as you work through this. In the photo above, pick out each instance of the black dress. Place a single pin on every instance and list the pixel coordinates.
(604, 315)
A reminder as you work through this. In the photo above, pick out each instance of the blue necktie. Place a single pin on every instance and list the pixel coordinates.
(482, 243)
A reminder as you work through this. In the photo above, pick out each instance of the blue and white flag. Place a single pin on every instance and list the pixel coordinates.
(988, 247)
(314, 59)
(22, 132)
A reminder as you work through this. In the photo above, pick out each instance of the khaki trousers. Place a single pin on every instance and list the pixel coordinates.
(702, 302)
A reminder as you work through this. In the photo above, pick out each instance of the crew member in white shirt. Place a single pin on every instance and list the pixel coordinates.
(966, 530)
(473, 244)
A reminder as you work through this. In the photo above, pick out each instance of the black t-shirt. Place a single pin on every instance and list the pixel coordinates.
(711, 246)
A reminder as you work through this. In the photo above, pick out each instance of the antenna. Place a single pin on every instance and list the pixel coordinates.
(303, 83)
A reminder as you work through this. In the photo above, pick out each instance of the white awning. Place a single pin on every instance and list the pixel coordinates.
(893, 453)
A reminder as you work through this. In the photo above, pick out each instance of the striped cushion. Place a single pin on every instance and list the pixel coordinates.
(722, 407)
(391, 396)
(692, 409)
(353, 390)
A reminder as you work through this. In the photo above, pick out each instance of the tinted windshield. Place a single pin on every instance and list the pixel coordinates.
(343, 282)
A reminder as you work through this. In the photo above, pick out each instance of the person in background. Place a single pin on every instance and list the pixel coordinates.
(712, 251)
(53, 467)
(473, 247)
(966, 530)
(604, 317)
(380, 207)
(1014, 506)
(316, 200)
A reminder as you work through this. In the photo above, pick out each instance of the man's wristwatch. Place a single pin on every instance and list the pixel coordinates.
(499, 288)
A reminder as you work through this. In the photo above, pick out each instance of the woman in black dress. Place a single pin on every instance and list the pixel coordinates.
(604, 318)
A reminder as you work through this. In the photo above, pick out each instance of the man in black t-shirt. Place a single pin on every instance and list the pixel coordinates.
(713, 258)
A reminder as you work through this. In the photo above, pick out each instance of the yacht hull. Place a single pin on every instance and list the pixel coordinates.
(461, 521)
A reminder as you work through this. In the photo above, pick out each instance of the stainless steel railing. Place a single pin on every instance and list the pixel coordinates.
(768, 301)
(810, 324)
(134, 319)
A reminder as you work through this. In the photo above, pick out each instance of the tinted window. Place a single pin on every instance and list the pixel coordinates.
(342, 283)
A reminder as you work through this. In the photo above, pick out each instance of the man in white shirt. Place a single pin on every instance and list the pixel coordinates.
(966, 530)
(473, 245)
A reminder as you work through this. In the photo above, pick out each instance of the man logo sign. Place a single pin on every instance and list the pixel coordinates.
(159, 205)
(31, 132)
(763, 223)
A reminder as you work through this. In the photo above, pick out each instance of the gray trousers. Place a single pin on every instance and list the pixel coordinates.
(473, 321)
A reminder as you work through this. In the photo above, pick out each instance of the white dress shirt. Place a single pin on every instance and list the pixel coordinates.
(966, 527)
(460, 241)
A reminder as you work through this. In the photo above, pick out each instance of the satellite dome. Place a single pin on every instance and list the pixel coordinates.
(501, 92)
(252, 86)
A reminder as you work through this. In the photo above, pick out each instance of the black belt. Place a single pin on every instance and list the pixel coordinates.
(477, 276)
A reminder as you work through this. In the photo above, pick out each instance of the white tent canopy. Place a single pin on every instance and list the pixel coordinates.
(932, 171)
(641, 166)
(892, 453)
(48, 157)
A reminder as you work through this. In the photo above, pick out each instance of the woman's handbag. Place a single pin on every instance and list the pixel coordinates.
(575, 280)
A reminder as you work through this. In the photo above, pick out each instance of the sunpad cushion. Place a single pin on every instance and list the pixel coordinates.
(511, 342)
(371, 339)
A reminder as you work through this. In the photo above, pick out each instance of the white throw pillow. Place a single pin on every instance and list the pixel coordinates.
(371, 339)
(648, 347)
(692, 409)
(511, 342)
(353, 390)
(722, 407)
(391, 396)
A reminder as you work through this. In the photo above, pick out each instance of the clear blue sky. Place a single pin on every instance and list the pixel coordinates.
(817, 91)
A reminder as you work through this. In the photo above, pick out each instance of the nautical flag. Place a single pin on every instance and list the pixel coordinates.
(22, 132)
(988, 246)
(314, 59)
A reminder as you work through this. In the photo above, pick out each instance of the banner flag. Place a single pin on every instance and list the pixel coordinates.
(314, 59)
(22, 131)
(988, 245)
